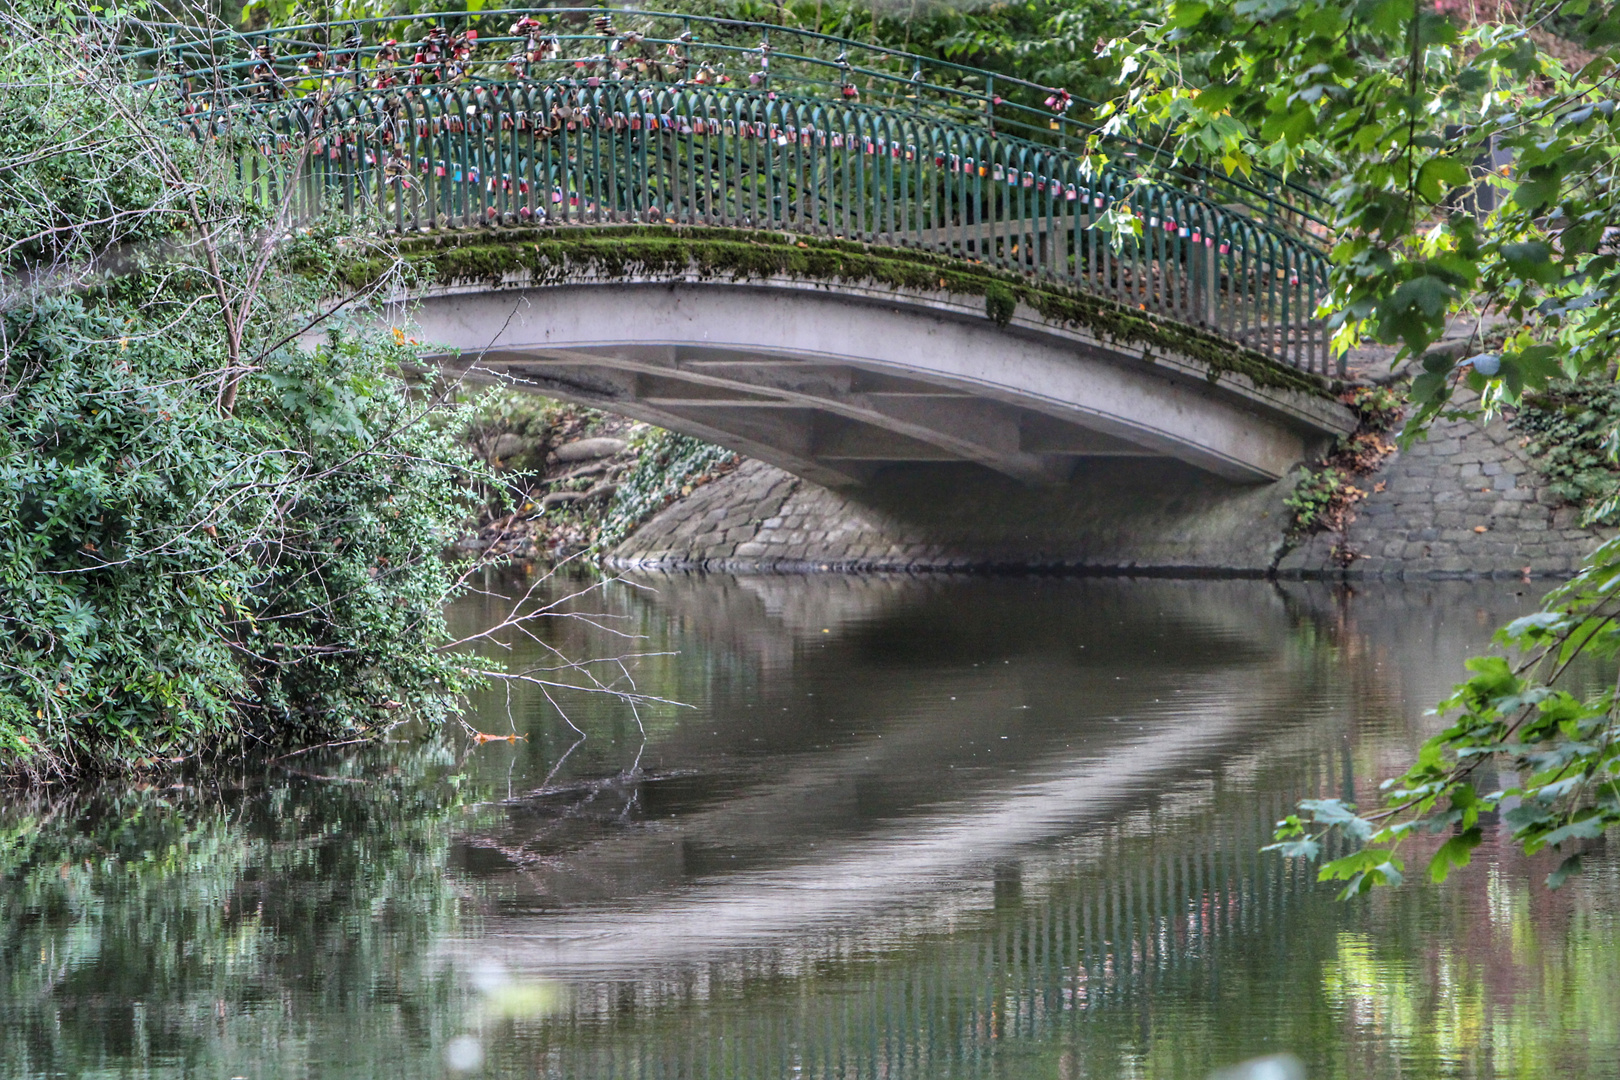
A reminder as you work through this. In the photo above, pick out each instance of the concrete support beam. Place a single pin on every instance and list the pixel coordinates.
(786, 443)
(943, 424)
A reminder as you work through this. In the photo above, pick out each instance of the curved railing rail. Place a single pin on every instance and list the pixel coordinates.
(462, 128)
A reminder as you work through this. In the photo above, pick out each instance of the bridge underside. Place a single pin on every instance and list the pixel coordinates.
(833, 384)
(833, 423)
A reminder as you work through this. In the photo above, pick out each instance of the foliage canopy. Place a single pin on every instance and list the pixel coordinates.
(1470, 157)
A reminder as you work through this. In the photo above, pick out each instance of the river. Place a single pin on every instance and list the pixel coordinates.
(840, 827)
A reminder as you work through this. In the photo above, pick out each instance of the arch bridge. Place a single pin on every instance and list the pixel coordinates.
(829, 255)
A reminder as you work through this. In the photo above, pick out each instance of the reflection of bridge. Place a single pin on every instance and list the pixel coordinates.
(971, 273)
(838, 910)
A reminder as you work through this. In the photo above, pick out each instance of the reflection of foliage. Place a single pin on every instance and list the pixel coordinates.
(1445, 1007)
(322, 897)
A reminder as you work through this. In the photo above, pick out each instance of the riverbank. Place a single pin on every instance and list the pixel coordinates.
(571, 480)
(1471, 500)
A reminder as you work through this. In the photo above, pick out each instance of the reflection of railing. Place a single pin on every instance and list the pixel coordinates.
(651, 124)
(1126, 919)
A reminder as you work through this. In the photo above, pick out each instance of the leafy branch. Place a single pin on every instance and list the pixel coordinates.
(1563, 748)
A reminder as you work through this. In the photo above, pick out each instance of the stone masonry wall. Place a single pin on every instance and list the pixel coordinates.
(1466, 503)
(1140, 517)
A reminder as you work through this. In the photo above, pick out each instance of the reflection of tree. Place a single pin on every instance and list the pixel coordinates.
(1530, 992)
(285, 923)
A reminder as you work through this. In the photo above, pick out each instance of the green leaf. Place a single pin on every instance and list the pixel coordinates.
(1337, 814)
(1187, 14)
(1539, 188)
(1566, 870)
(1296, 849)
(1587, 828)
(1453, 854)
(1437, 174)
(1531, 259)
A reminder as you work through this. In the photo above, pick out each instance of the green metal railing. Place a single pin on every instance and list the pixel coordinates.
(503, 118)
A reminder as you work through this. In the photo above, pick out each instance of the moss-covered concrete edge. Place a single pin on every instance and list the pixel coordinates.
(550, 255)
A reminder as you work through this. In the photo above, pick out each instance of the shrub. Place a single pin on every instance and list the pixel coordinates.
(210, 536)
(174, 580)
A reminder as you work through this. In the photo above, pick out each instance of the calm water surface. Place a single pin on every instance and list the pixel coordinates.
(894, 828)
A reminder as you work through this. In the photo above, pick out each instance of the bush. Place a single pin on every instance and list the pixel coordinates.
(174, 580)
(210, 537)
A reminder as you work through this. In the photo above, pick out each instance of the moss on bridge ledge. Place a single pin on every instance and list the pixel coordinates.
(552, 255)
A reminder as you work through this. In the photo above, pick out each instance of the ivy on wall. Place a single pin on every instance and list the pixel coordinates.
(669, 467)
(1570, 428)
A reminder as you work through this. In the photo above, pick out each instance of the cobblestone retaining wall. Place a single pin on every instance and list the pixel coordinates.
(1139, 515)
(1466, 503)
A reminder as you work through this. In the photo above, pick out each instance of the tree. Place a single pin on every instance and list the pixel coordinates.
(1419, 119)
